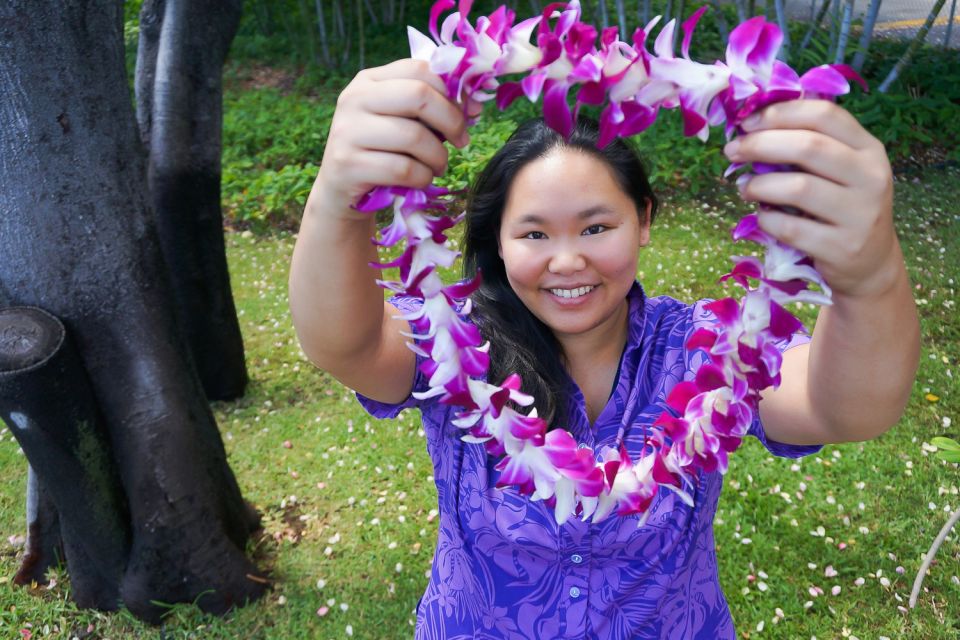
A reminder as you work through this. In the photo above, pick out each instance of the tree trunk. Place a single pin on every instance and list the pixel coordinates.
(179, 104)
(815, 24)
(720, 19)
(48, 405)
(322, 30)
(946, 36)
(781, 9)
(622, 20)
(864, 45)
(741, 10)
(912, 49)
(44, 547)
(361, 40)
(77, 240)
(844, 32)
(604, 15)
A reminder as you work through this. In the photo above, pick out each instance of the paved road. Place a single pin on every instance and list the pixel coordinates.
(898, 18)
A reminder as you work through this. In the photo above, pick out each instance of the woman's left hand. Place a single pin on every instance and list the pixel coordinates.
(843, 182)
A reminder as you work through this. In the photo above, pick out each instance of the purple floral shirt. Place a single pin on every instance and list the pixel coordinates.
(503, 568)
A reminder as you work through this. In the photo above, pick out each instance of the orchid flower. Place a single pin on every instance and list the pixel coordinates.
(708, 416)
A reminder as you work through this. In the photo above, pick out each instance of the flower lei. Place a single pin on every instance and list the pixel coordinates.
(713, 411)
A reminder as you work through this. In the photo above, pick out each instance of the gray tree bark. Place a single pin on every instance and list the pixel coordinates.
(183, 44)
(77, 240)
(864, 45)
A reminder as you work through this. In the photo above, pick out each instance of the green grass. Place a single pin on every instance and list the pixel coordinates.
(348, 505)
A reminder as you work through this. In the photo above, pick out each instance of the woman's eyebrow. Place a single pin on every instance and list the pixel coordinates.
(586, 214)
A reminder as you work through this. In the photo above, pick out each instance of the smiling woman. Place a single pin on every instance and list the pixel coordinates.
(542, 209)
(654, 392)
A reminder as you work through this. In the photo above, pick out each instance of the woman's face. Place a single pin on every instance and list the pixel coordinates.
(569, 240)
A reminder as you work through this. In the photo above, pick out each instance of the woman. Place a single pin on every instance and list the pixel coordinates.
(556, 228)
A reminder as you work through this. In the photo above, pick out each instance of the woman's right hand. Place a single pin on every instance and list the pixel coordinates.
(386, 131)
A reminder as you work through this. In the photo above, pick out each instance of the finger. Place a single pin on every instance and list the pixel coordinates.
(810, 236)
(408, 69)
(415, 99)
(816, 196)
(379, 168)
(812, 151)
(814, 115)
(402, 136)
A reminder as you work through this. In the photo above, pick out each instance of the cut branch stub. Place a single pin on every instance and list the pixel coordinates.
(48, 404)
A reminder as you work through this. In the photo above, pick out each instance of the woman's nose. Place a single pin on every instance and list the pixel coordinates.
(567, 260)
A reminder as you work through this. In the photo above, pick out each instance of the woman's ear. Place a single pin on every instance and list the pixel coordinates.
(645, 223)
(499, 247)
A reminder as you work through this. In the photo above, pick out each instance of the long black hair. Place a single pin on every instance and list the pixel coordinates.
(520, 342)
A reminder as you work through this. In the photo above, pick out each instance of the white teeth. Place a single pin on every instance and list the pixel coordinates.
(571, 293)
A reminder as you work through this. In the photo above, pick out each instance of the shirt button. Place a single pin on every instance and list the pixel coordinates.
(576, 558)
(574, 592)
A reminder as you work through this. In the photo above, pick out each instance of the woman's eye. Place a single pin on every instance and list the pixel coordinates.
(535, 235)
(594, 229)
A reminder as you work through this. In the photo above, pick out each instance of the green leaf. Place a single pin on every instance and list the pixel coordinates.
(946, 444)
(949, 456)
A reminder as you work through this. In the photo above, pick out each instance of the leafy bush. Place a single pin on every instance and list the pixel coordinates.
(268, 196)
(274, 129)
(272, 144)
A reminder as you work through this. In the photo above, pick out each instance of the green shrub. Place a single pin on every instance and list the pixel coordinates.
(267, 197)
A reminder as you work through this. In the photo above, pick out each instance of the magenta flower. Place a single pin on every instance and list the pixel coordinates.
(709, 415)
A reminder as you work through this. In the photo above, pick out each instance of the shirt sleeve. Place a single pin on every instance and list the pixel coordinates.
(384, 410)
(704, 318)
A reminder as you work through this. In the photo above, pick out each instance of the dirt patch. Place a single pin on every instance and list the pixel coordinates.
(258, 76)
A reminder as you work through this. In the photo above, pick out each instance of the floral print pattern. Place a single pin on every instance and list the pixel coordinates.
(504, 569)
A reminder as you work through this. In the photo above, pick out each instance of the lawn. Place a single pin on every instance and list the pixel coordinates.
(825, 547)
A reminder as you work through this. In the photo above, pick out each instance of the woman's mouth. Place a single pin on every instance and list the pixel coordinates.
(572, 293)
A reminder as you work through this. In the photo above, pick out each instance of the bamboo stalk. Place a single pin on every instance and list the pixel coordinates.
(864, 45)
(322, 29)
(360, 38)
(815, 24)
(721, 21)
(621, 19)
(844, 32)
(912, 49)
(781, 9)
(946, 36)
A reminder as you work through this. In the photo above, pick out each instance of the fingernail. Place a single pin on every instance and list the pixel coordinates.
(464, 139)
(731, 148)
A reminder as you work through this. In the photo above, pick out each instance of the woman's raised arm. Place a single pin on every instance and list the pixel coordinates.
(384, 132)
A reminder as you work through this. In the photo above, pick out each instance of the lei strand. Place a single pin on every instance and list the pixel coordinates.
(710, 414)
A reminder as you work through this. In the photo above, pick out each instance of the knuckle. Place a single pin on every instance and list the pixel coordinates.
(420, 67)
(795, 187)
(404, 170)
(812, 145)
(421, 94)
(789, 230)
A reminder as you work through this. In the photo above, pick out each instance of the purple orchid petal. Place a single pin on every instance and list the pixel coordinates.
(560, 447)
(850, 73)
(824, 81)
(710, 377)
(702, 338)
(438, 8)
(507, 93)
(556, 111)
(727, 310)
(680, 395)
(783, 324)
(688, 27)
